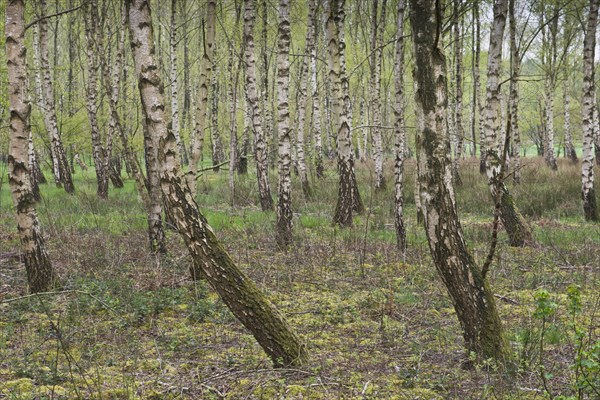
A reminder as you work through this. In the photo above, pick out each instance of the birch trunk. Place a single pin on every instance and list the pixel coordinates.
(477, 91)
(61, 165)
(40, 274)
(588, 193)
(217, 145)
(549, 114)
(516, 227)
(175, 125)
(400, 132)
(375, 90)
(304, 124)
(458, 116)
(316, 106)
(345, 202)
(569, 148)
(515, 70)
(239, 293)
(260, 146)
(467, 285)
(98, 152)
(205, 78)
(111, 87)
(283, 232)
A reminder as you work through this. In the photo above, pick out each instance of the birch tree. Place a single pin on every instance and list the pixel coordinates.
(62, 173)
(377, 30)
(347, 189)
(516, 227)
(283, 232)
(40, 274)
(239, 293)
(260, 145)
(98, 151)
(467, 285)
(588, 193)
(175, 124)
(206, 64)
(399, 131)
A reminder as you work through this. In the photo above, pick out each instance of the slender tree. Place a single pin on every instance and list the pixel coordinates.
(316, 100)
(517, 228)
(40, 274)
(466, 283)
(175, 123)
(243, 298)
(399, 130)
(206, 65)
(458, 101)
(98, 151)
(515, 70)
(283, 233)
(347, 179)
(62, 172)
(588, 194)
(377, 30)
(260, 146)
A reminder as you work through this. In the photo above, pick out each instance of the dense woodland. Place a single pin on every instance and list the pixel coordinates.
(299, 199)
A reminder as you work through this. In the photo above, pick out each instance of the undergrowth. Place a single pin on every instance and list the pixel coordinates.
(127, 324)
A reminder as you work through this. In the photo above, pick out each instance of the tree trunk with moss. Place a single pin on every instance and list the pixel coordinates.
(471, 295)
(40, 274)
(518, 230)
(588, 193)
(239, 293)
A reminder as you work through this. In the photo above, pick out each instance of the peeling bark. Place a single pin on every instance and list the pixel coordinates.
(469, 290)
(516, 227)
(40, 274)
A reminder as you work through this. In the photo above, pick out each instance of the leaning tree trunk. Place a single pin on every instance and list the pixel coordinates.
(400, 132)
(58, 151)
(347, 179)
(588, 193)
(283, 232)
(206, 65)
(513, 102)
(467, 285)
(241, 295)
(517, 228)
(260, 145)
(40, 274)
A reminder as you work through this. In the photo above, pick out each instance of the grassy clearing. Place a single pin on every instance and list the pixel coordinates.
(129, 325)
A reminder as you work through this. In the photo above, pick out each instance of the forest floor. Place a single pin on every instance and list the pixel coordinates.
(126, 324)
